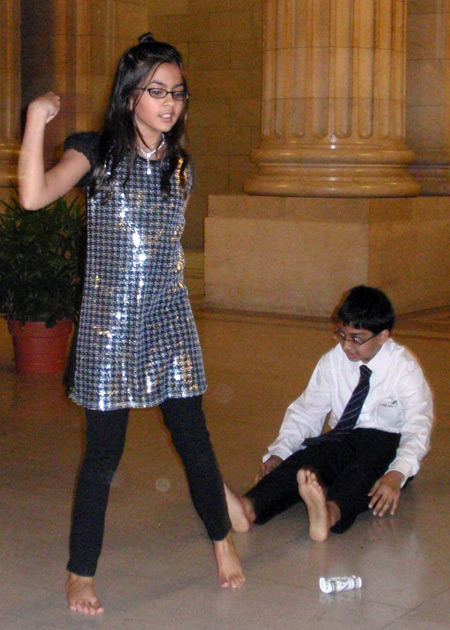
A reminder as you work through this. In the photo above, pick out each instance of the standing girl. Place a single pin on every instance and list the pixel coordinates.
(137, 345)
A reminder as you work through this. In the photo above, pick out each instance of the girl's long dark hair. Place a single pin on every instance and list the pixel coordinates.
(118, 136)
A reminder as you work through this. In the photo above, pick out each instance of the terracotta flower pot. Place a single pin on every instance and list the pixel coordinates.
(40, 349)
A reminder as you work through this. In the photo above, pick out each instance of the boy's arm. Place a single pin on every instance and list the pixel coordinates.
(416, 399)
(417, 404)
(38, 188)
(305, 417)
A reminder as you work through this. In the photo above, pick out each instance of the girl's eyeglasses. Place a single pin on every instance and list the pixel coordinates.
(177, 95)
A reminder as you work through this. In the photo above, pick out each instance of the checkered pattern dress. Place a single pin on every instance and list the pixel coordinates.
(137, 342)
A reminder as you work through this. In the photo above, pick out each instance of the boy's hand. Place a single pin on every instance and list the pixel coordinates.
(48, 104)
(385, 493)
(267, 466)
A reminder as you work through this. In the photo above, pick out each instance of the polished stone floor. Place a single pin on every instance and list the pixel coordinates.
(157, 570)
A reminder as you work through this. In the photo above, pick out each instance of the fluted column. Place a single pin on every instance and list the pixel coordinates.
(78, 64)
(333, 100)
(9, 90)
(428, 95)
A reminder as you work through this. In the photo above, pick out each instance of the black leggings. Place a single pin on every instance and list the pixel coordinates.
(348, 469)
(105, 440)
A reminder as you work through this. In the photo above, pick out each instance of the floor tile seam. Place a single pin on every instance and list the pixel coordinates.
(436, 316)
(395, 621)
(421, 330)
(415, 609)
(281, 582)
(287, 319)
(420, 333)
(171, 589)
(258, 554)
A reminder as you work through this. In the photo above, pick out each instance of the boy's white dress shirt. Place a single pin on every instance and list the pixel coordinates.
(399, 401)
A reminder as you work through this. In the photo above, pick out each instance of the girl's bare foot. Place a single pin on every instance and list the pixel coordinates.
(315, 499)
(228, 563)
(81, 595)
(240, 511)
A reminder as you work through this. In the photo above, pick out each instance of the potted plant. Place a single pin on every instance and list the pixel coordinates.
(41, 258)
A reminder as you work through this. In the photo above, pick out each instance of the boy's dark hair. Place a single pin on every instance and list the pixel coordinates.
(118, 136)
(366, 307)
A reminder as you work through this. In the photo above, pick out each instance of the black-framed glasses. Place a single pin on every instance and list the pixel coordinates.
(340, 336)
(177, 95)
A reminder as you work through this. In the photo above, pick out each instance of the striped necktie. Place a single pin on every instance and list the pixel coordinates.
(351, 412)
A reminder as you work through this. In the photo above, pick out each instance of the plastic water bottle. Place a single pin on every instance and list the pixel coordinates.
(338, 584)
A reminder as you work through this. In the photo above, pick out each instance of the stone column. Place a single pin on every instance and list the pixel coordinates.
(334, 100)
(428, 96)
(333, 203)
(73, 43)
(10, 96)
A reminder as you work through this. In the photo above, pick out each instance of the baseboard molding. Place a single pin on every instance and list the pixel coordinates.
(194, 276)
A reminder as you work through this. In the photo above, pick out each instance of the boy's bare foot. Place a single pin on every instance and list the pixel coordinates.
(240, 510)
(81, 595)
(228, 563)
(315, 499)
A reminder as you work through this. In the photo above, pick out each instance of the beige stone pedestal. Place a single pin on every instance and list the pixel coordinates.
(297, 255)
(332, 202)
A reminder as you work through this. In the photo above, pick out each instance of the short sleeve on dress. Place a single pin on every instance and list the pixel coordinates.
(87, 143)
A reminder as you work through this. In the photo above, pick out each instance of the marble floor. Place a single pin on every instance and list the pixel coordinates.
(157, 570)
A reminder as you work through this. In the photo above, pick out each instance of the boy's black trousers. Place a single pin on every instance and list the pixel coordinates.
(348, 468)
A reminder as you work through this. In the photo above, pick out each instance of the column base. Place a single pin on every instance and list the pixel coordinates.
(333, 171)
(431, 169)
(299, 255)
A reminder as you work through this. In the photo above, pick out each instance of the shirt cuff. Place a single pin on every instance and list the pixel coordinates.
(402, 468)
(280, 454)
(283, 453)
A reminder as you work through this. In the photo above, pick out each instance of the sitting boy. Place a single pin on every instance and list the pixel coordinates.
(380, 410)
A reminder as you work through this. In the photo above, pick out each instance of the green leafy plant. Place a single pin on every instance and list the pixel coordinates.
(41, 261)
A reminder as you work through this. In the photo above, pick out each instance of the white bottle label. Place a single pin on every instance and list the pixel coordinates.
(338, 584)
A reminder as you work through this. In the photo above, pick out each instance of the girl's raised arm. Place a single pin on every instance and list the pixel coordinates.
(38, 187)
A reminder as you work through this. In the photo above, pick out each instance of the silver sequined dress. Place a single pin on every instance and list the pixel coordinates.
(137, 341)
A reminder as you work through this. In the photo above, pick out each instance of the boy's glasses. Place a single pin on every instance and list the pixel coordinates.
(340, 336)
(177, 95)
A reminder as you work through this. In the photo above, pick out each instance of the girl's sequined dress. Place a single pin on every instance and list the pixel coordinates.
(137, 342)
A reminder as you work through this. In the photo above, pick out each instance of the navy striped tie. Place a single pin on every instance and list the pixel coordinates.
(351, 412)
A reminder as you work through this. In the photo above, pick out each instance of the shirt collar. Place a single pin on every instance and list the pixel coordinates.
(379, 360)
(377, 363)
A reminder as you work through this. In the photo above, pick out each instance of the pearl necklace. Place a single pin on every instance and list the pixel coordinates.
(149, 154)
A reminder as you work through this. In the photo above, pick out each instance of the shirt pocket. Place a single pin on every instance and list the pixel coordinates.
(389, 415)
